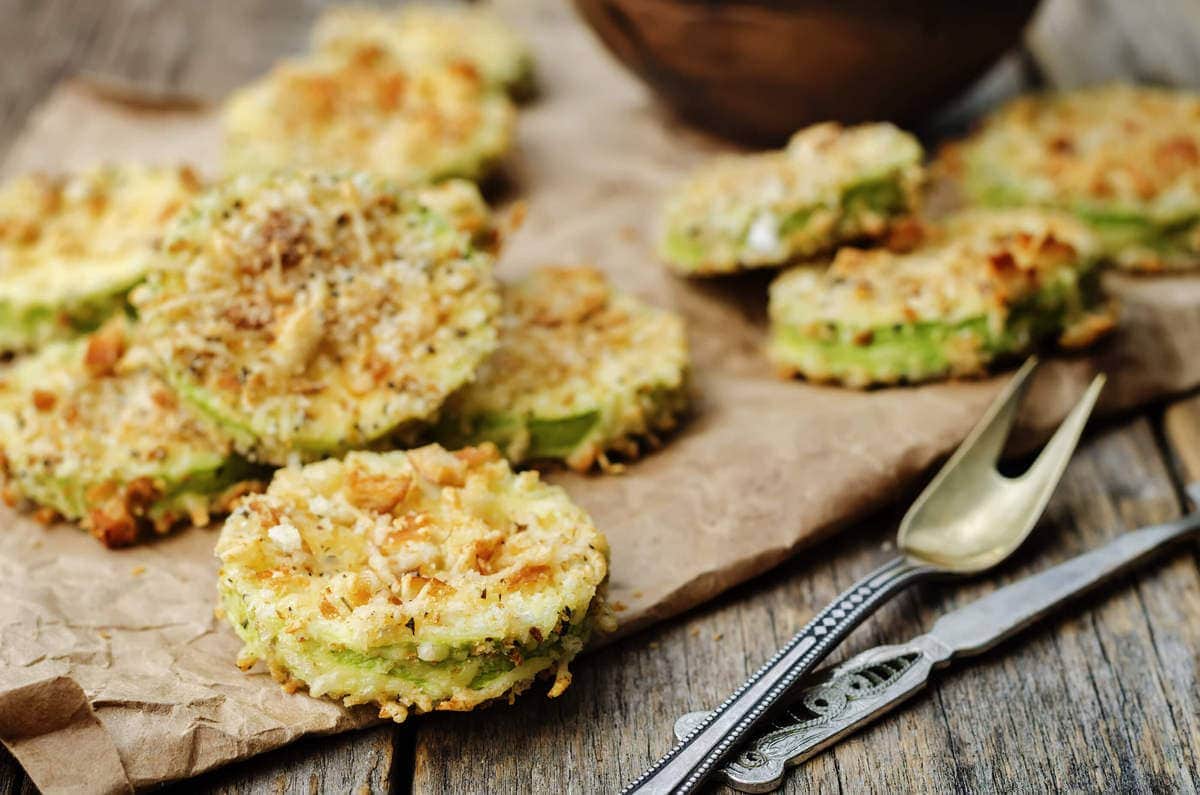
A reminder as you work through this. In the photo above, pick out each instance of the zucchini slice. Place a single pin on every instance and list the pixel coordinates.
(987, 285)
(581, 370)
(94, 438)
(313, 314)
(418, 35)
(417, 581)
(72, 247)
(366, 113)
(832, 185)
(1125, 159)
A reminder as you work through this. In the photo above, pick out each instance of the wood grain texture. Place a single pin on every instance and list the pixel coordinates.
(361, 763)
(1102, 698)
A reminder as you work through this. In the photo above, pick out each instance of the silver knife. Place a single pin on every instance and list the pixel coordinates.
(842, 698)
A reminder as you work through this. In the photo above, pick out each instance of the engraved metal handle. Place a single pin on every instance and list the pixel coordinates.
(832, 704)
(696, 756)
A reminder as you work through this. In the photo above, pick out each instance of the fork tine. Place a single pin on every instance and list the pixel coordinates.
(985, 442)
(1047, 470)
(975, 458)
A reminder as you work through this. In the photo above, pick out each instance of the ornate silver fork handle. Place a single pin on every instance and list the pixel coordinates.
(717, 732)
(835, 703)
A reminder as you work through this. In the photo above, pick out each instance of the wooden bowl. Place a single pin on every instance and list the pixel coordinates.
(760, 69)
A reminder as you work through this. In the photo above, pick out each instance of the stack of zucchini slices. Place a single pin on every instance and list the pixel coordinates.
(985, 286)
(875, 294)
(290, 317)
(330, 298)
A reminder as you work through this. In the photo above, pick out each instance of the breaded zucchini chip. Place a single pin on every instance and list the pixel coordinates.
(581, 370)
(831, 185)
(1125, 159)
(92, 437)
(312, 314)
(366, 113)
(990, 284)
(417, 35)
(418, 581)
(71, 247)
(459, 202)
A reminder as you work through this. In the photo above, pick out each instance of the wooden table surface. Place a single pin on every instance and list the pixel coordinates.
(1105, 697)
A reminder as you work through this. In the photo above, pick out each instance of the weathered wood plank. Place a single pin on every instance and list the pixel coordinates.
(13, 780)
(1103, 698)
(1181, 427)
(362, 763)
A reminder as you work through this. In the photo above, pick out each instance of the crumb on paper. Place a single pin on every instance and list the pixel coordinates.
(104, 633)
(718, 635)
(619, 607)
(516, 216)
(695, 632)
(45, 516)
(137, 570)
(637, 594)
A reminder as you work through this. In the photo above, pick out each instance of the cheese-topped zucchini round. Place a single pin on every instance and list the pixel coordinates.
(417, 35)
(71, 247)
(367, 113)
(418, 581)
(94, 438)
(462, 206)
(312, 314)
(831, 185)
(989, 284)
(581, 370)
(1125, 159)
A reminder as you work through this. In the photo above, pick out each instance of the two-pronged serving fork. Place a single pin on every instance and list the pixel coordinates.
(967, 520)
(839, 700)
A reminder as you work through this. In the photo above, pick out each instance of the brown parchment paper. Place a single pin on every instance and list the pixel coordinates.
(114, 673)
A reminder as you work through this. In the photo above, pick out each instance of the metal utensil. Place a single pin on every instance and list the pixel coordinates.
(968, 519)
(843, 698)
